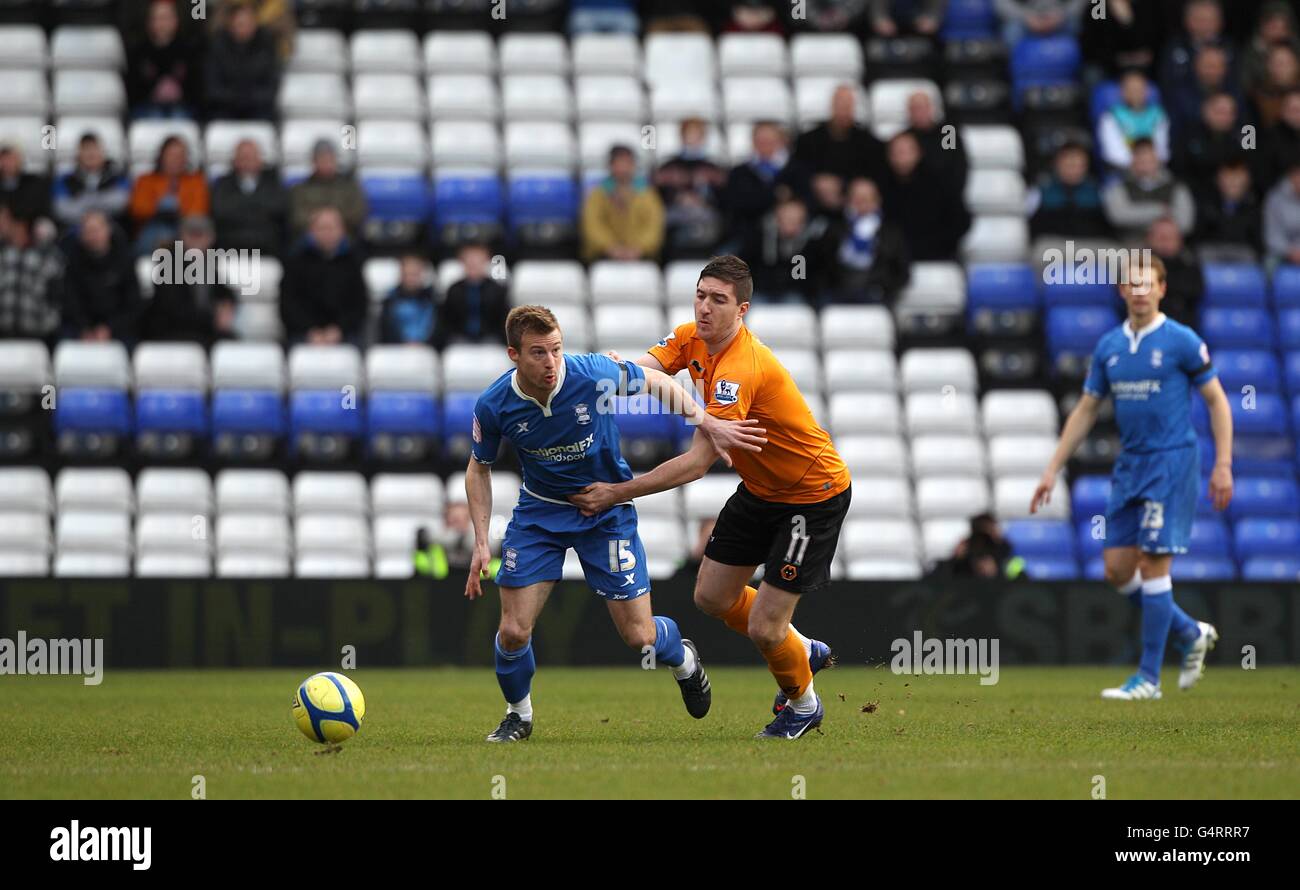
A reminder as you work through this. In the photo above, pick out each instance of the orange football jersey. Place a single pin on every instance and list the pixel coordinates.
(798, 465)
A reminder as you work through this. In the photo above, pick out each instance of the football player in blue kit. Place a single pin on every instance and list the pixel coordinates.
(558, 411)
(1149, 366)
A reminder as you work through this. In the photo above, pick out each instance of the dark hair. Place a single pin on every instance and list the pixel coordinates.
(735, 271)
(619, 150)
(88, 137)
(162, 150)
(529, 320)
(1143, 142)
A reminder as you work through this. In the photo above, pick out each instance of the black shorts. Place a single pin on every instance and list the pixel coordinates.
(795, 542)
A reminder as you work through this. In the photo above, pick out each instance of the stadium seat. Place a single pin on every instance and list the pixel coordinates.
(812, 100)
(467, 52)
(88, 92)
(173, 490)
(25, 395)
(940, 536)
(1225, 328)
(676, 57)
(403, 416)
(872, 455)
(23, 46)
(856, 327)
(1012, 494)
(173, 542)
(393, 51)
(1006, 412)
(606, 54)
(239, 564)
(670, 549)
(891, 498)
(1011, 455)
(389, 97)
(1286, 286)
(314, 94)
(883, 570)
(993, 146)
(320, 50)
(542, 208)
(879, 539)
(624, 328)
(785, 325)
(938, 370)
(1271, 569)
(87, 564)
(145, 138)
(826, 55)
(28, 133)
(93, 531)
(97, 48)
(610, 98)
(27, 489)
(1288, 328)
(951, 497)
(1266, 536)
(675, 100)
(990, 192)
(321, 539)
(471, 367)
(941, 413)
(94, 489)
(1264, 497)
(330, 492)
(395, 539)
(749, 99)
(93, 413)
(805, 367)
(248, 381)
(1072, 335)
(996, 238)
(299, 137)
(1256, 368)
(171, 402)
(26, 95)
(889, 103)
(533, 54)
(1090, 537)
(262, 492)
(850, 370)
(948, 456)
(252, 534)
(614, 282)
(1192, 567)
(665, 504)
(1234, 285)
(865, 413)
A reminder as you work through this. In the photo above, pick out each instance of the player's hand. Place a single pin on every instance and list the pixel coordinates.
(1221, 486)
(725, 435)
(614, 355)
(478, 570)
(1043, 493)
(595, 498)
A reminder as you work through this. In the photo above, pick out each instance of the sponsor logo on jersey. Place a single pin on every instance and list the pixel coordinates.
(1135, 390)
(725, 392)
(562, 453)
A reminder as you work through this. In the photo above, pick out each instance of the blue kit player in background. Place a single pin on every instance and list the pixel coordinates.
(1149, 365)
(557, 409)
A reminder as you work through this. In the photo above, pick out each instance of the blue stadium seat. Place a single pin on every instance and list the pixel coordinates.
(458, 416)
(1089, 545)
(1106, 93)
(1038, 60)
(1211, 537)
(969, 20)
(1254, 455)
(81, 410)
(1266, 416)
(1192, 567)
(1047, 568)
(1094, 569)
(1239, 328)
(1001, 286)
(1266, 537)
(1288, 328)
(1248, 367)
(1254, 496)
(402, 425)
(247, 411)
(1074, 330)
(467, 201)
(397, 196)
(1081, 294)
(541, 201)
(162, 411)
(1040, 537)
(1234, 284)
(1089, 496)
(1263, 568)
(1286, 286)
(1291, 373)
(320, 421)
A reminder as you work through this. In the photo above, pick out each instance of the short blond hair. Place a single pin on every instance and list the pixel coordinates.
(529, 320)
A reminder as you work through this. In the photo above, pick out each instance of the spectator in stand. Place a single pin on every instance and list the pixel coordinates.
(1202, 26)
(1183, 277)
(26, 194)
(1067, 202)
(249, 204)
(327, 186)
(754, 186)
(841, 146)
(622, 216)
(1216, 140)
(242, 70)
(790, 256)
(31, 279)
(1135, 116)
(323, 297)
(1282, 219)
(983, 553)
(200, 311)
(1125, 37)
(1280, 145)
(941, 151)
(872, 259)
(162, 74)
(94, 184)
(410, 311)
(276, 16)
(1037, 18)
(101, 294)
(161, 198)
(753, 17)
(476, 306)
(932, 217)
(1275, 27)
(690, 186)
(1145, 192)
(1212, 75)
(901, 18)
(1281, 76)
(1228, 213)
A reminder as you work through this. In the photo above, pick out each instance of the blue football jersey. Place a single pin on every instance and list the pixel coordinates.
(569, 442)
(1150, 373)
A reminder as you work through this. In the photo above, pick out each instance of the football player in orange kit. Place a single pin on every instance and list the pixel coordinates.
(787, 511)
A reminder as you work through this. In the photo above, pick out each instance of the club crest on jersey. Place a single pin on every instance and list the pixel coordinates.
(725, 392)
(699, 368)
(580, 411)
(1112, 361)
(671, 336)
(1157, 357)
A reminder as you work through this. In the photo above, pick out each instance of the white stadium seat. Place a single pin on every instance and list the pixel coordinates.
(540, 145)
(1012, 494)
(97, 488)
(829, 55)
(1019, 411)
(872, 455)
(299, 137)
(27, 94)
(91, 564)
(175, 533)
(705, 497)
(472, 367)
(940, 536)
(325, 367)
(389, 97)
(93, 531)
(881, 497)
(24, 366)
(624, 327)
(596, 138)
(392, 145)
(865, 413)
(319, 49)
(23, 46)
(248, 366)
(631, 283)
(330, 492)
(940, 413)
(889, 103)
(752, 54)
(679, 57)
(995, 191)
(749, 99)
(805, 368)
(314, 94)
(879, 539)
(547, 282)
(145, 138)
(938, 455)
(934, 370)
(27, 489)
(812, 100)
(883, 570)
(97, 365)
(253, 533)
(851, 370)
(173, 489)
(28, 133)
(993, 146)
(667, 504)
(169, 564)
(539, 97)
(609, 97)
(783, 325)
(323, 564)
(676, 100)
(240, 564)
(951, 497)
(1002, 238)
(461, 52)
(463, 97)
(1014, 455)
(25, 531)
(393, 51)
(334, 533)
(406, 367)
(171, 366)
(88, 92)
(257, 492)
(221, 138)
(94, 47)
(406, 493)
(23, 564)
(109, 130)
(533, 54)
(461, 144)
(595, 53)
(857, 327)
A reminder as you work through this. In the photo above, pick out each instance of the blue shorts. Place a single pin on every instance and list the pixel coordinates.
(1153, 500)
(608, 546)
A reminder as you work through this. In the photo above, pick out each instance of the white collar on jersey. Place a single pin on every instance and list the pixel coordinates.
(1135, 337)
(559, 383)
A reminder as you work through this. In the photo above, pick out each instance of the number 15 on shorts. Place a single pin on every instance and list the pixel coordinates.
(621, 557)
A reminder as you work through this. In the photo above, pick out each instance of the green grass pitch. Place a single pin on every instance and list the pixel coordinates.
(1040, 732)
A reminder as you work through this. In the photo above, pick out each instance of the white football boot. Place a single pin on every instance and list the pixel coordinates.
(1135, 687)
(1194, 657)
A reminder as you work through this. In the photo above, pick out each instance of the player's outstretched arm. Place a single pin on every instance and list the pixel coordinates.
(1076, 430)
(1221, 425)
(478, 488)
(646, 360)
(723, 435)
(685, 467)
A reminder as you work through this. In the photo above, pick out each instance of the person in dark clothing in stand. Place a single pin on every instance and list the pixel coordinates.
(872, 263)
(249, 204)
(410, 310)
(1228, 211)
(932, 216)
(840, 145)
(101, 294)
(94, 184)
(476, 306)
(162, 75)
(200, 312)
(1183, 276)
(941, 151)
(754, 187)
(243, 70)
(323, 298)
(1068, 200)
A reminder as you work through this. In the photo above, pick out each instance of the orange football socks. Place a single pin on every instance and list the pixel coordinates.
(788, 662)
